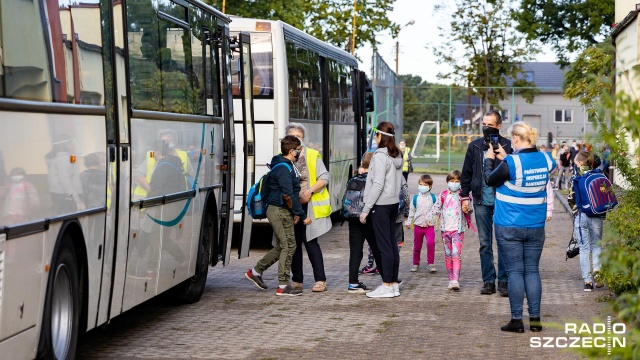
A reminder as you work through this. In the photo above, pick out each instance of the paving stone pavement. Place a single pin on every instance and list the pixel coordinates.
(236, 320)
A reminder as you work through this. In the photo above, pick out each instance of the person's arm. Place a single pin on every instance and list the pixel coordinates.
(377, 176)
(550, 199)
(322, 177)
(412, 213)
(286, 181)
(497, 176)
(433, 213)
(467, 173)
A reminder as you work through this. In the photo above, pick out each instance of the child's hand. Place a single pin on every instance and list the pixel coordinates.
(296, 219)
(307, 221)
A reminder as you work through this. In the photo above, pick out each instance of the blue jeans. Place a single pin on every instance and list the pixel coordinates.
(591, 229)
(484, 221)
(521, 249)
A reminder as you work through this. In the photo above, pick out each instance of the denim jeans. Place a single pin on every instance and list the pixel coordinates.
(521, 249)
(591, 229)
(484, 221)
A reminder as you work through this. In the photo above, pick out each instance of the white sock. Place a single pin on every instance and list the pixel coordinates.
(255, 273)
(282, 286)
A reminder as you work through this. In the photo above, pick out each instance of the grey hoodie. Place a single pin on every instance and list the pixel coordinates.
(383, 181)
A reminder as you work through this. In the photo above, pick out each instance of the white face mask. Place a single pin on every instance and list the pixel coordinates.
(424, 188)
(402, 146)
(17, 178)
(453, 186)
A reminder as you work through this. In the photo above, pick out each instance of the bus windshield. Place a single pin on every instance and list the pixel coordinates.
(262, 60)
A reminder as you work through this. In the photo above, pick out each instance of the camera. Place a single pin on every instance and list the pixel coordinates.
(494, 142)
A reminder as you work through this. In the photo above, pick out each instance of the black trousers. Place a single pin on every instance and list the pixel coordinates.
(384, 226)
(313, 252)
(358, 233)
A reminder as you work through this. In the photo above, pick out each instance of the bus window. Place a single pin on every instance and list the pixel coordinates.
(262, 64)
(57, 65)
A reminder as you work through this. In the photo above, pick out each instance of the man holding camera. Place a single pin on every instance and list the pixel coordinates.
(472, 183)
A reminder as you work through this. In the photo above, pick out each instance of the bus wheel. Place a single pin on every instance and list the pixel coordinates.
(61, 316)
(190, 290)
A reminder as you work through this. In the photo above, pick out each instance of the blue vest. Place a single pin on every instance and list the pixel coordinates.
(522, 200)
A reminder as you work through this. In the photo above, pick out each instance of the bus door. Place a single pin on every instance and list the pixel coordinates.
(362, 104)
(229, 149)
(246, 90)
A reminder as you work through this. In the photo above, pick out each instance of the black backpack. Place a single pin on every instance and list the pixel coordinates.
(353, 199)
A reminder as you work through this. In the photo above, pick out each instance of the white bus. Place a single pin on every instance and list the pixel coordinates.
(298, 78)
(117, 161)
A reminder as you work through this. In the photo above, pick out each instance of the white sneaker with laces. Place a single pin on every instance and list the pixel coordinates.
(414, 268)
(433, 269)
(396, 289)
(450, 285)
(382, 291)
(455, 286)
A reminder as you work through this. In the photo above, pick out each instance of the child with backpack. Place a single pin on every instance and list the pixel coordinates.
(453, 222)
(590, 198)
(423, 227)
(352, 205)
(283, 211)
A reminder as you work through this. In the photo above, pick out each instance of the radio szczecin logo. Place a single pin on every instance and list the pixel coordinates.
(598, 335)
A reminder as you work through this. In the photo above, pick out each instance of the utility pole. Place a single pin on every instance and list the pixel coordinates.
(411, 22)
(224, 6)
(353, 37)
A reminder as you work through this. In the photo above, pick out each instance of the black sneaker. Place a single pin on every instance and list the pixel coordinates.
(503, 289)
(588, 287)
(256, 279)
(358, 289)
(288, 291)
(488, 289)
(535, 325)
(515, 325)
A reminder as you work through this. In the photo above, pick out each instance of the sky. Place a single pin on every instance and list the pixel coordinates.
(416, 41)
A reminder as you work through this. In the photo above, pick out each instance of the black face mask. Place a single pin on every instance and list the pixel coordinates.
(487, 131)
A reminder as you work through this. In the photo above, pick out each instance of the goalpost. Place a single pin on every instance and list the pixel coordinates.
(427, 144)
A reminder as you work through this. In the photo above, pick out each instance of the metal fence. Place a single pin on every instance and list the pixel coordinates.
(451, 117)
(387, 92)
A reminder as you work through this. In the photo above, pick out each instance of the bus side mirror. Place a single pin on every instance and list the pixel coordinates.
(368, 100)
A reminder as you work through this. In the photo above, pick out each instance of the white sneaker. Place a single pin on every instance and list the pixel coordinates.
(450, 285)
(396, 289)
(432, 269)
(382, 291)
(414, 268)
(455, 286)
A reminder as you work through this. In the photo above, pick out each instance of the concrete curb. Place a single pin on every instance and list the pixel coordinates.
(563, 200)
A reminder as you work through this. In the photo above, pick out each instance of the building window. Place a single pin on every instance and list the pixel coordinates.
(528, 76)
(505, 115)
(564, 115)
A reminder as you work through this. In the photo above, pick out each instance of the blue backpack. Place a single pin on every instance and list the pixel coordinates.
(256, 199)
(594, 193)
(415, 200)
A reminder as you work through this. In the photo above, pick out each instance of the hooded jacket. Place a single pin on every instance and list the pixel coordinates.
(383, 181)
(285, 181)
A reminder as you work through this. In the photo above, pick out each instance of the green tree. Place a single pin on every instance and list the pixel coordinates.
(568, 26)
(330, 21)
(590, 75)
(492, 49)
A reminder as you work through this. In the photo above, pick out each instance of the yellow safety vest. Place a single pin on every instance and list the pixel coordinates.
(320, 201)
(405, 156)
(139, 192)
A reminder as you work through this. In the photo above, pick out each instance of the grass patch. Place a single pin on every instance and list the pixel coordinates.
(284, 309)
(269, 303)
(330, 330)
(358, 324)
(270, 323)
(392, 315)
(320, 339)
(284, 348)
(419, 351)
(386, 323)
(229, 301)
(604, 298)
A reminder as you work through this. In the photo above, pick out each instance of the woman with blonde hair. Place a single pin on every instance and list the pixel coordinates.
(520, 213)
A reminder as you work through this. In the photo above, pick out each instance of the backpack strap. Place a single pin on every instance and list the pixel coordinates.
(415, 200)
(433, 199)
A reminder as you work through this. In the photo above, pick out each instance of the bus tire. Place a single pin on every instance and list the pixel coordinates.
(190, 290)
(61, 315)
